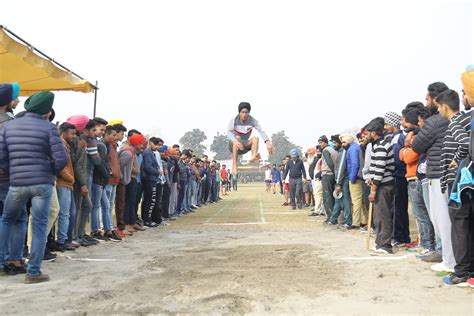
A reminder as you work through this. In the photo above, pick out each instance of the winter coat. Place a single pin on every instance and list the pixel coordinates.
(32, 151)
(430, 141)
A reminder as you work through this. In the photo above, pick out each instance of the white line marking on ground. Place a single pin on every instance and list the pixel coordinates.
(217, 213)
(282, 213)
(378, 258)
(91, 260)
(236, 224)
(262, 217)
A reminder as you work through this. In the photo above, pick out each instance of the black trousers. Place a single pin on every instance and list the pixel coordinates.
(401, 224)
(206, 187)
(328, 183)
(383, 217)
(462, 234)
(156, 215)
(138, 204)
(296, 192)
(130, 211)
(149, 200)
(165, 202)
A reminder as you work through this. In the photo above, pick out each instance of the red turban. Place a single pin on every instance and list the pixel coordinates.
(137, 140)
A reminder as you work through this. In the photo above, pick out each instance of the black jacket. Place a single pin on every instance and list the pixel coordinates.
(295, 168)
(429, 141)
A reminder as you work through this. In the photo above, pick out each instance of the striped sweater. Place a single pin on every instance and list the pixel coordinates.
(382, 162)
(455, 147)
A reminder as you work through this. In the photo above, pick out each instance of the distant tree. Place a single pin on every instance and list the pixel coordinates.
(281, 147)
(193, 140)
(220, 146)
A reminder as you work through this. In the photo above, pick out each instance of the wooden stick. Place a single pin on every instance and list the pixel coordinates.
(369, 225)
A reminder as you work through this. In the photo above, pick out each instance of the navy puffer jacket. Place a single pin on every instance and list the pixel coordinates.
(31, 150)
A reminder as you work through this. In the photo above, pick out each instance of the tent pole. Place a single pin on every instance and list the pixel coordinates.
(95, 97)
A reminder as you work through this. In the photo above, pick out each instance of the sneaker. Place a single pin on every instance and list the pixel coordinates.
(424, 253)
(48, 256)
(84, 243)
(313, 214)
(151, 224)
(416, 243)
(12, 269)
(433, 257)
(74, 244)
(98, 236)
(59, 247)
(90, 240)
(382, 251)
(417, 249)
(440, 267)
(398, 244)
(38, 278)
(285, 204)
(71, 247)
(113, 237)
(119, 232)
(363, 229)
(139, 228)
(172, 218)
(470, 283)
(455, 280)
(163, 223)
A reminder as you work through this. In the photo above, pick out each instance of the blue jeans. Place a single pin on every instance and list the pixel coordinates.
(100, 206)
(111, 192)
(14, 211)
(181, 196)
(427, 235)
(343, 204)
(67, 214)
(15, 251)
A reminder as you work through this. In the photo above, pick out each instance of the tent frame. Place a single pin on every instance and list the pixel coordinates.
(40, 53)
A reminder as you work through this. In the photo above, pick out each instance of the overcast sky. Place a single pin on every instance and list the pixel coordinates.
(308, 67)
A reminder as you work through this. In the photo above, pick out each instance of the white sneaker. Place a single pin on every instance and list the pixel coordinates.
(440, 267)
(381, 251)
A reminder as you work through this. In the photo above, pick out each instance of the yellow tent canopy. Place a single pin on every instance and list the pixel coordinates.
(33, 70)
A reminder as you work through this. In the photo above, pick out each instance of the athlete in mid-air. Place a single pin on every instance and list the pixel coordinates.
(239, 131)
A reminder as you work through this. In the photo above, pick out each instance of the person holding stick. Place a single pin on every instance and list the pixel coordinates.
(381, 184)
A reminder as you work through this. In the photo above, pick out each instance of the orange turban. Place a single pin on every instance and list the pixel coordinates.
(137, 140)
(467, 79)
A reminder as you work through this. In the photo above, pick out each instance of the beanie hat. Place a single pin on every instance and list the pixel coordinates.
(347, 138)
(412, 117)
(79, 121)
(6, 94)
(335, 139)
(16, 90)
(137, 140)
(323, 139)
(392, 119)
(244, 105)
(40, 103)
(467, 79)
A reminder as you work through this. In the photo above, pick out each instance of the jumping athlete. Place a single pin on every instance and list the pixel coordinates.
(239, 131)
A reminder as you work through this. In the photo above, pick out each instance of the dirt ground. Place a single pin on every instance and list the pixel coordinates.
(245, 255)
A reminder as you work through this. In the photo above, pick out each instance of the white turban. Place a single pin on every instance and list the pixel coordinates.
(348, 138)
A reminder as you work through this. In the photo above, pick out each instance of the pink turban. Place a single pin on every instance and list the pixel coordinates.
(79, 121)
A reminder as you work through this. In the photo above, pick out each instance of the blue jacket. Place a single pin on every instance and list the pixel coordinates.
(400, 166)
(149, 168)
(276, 176)
(31, 151)
(353, 162)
